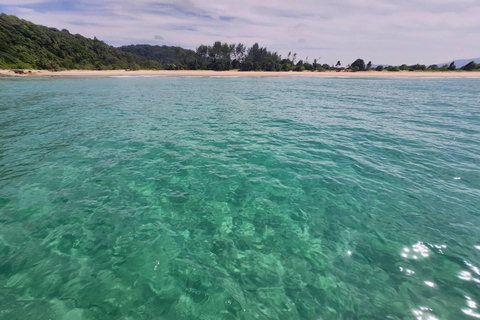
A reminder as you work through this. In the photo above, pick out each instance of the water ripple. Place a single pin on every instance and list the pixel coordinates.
(245, 198)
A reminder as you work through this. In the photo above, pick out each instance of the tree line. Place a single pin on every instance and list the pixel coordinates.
(471, 66)
(25, 45)
(223, 56)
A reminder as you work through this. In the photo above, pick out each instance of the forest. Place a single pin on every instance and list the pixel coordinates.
(25, 45)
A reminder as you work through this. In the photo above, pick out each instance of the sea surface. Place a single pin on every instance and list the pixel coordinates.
(239, 198)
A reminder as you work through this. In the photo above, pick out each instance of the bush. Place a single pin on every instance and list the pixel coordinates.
(418, 67)
(308, 66)
(325, 66)
(52, 66)
(393, 68)
(299, 68)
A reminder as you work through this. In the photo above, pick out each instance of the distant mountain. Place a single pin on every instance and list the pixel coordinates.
(25, 45)
(161, 54)
(460, 63)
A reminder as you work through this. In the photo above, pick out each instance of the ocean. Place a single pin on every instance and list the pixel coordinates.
(239, 198)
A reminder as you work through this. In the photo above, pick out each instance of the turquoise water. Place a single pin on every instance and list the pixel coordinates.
(239, 198)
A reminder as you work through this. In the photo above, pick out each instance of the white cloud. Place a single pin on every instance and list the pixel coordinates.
(384, 31)
(20, 2)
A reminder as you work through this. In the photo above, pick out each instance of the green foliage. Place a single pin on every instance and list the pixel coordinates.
(161, 54)
(417, 67)
(358, 65)
(24, 45)
(300, 66)
(219, 57)
(471, 66)
(258, 58)
(286, 65)
(393, 68)
(308, 66)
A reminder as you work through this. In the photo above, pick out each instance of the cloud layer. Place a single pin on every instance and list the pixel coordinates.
(383, 31)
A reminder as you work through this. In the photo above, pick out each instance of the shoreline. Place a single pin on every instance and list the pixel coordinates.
(236, 73)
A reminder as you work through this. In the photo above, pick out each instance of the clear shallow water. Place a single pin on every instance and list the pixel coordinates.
(240, 198)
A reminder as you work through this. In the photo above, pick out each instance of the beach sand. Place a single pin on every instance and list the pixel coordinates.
(235, 73)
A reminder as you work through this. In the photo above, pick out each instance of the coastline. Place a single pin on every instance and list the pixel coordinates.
(236, 73)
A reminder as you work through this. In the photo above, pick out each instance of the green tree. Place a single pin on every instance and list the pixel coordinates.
(452, 66)
(470, 66)
(180, 54)
(369, 65)
(308, 66)
(358, 65)
(299, 66)
(240, 51)
(202, 53)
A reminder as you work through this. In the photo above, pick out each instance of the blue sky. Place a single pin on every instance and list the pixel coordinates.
(383, 31)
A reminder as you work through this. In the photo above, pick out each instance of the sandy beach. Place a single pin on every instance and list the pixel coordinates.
(235, 73)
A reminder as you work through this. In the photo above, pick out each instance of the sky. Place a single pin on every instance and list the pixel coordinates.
(381, 31)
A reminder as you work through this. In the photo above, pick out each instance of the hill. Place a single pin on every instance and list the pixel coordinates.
(161, 54)
(25, 45)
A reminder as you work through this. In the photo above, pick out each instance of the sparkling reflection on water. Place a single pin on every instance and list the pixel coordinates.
(239, 198)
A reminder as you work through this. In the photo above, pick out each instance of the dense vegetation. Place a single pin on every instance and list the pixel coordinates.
(164, 55)
(24, 45)
(421, 67)
(223, 56)
(471, 66)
